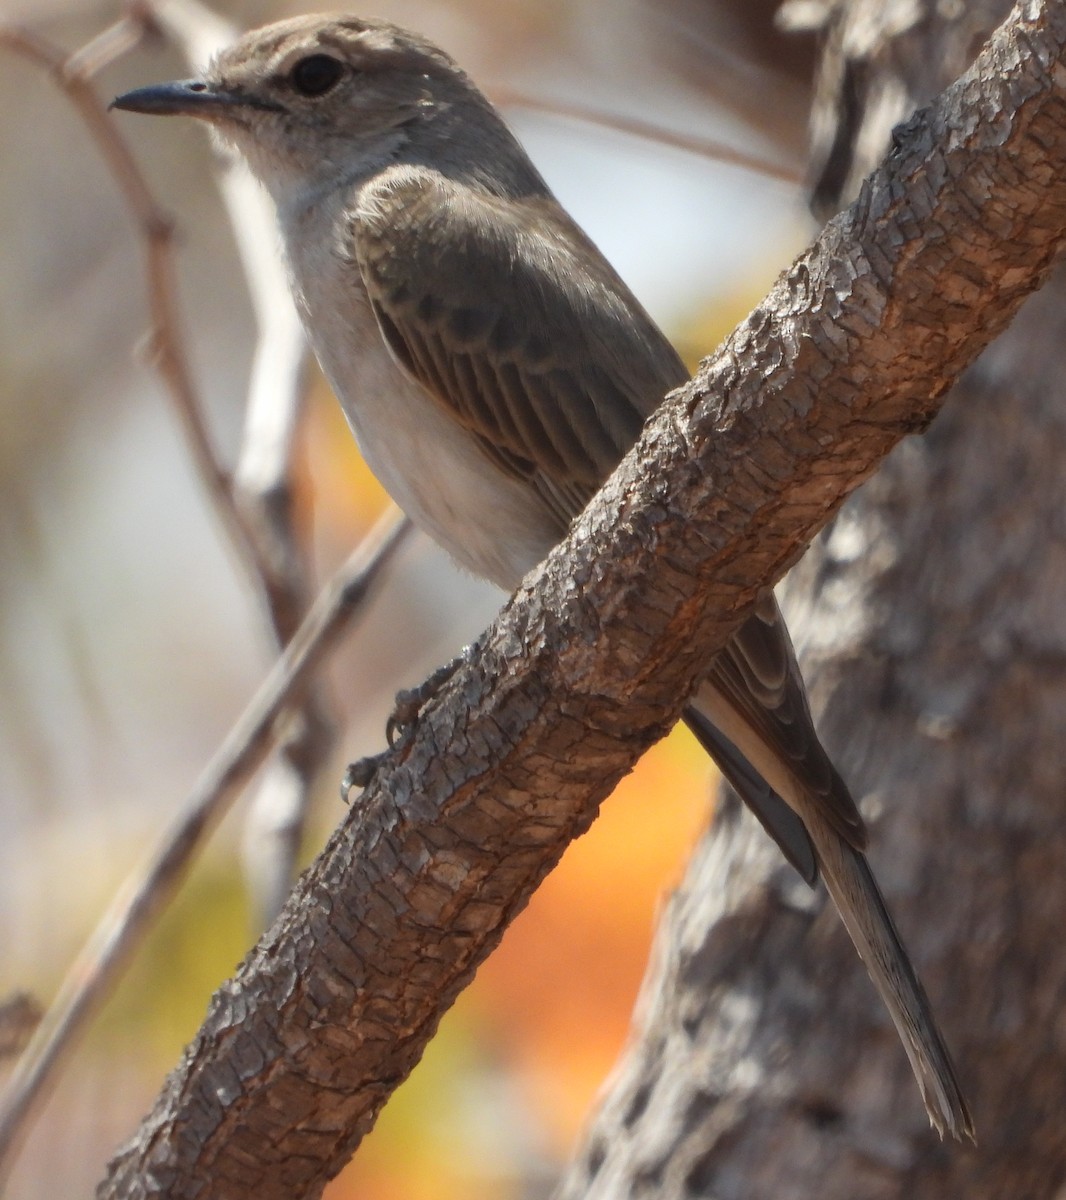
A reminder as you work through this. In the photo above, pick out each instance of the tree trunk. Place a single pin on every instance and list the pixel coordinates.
(931, 621)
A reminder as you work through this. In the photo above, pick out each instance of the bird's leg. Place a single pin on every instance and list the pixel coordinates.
(402, 723)
(410, 702)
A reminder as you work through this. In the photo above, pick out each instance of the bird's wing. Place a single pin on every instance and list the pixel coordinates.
(757, 676)
(780, 821)
(510, 324)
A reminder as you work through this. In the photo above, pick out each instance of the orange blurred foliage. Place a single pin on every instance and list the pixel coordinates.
(550, 1009)
(562, 985)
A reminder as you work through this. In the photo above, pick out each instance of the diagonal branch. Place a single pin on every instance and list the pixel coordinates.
(150, 888)
(592, 660)
(73, 74)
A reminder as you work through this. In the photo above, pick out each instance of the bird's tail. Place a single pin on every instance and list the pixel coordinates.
(856, 894)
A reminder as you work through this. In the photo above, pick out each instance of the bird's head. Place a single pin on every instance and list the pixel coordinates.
(317, 100)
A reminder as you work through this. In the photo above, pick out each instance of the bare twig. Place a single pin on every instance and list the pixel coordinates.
(92, 977)
(166, 345)
(281, 352)
(695, 144)
(275, 821)
(113, 43)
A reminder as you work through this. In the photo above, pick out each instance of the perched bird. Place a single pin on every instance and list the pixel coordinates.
(495, 369)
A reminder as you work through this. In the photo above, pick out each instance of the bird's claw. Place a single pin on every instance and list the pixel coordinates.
(410, 702)
(360, 773)
(401, 725)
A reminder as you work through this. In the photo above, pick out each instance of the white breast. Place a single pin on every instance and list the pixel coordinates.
(434, 470)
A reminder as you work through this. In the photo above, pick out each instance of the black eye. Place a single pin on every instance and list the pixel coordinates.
(316, 74)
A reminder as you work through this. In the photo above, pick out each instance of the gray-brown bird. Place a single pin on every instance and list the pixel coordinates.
(495, 369)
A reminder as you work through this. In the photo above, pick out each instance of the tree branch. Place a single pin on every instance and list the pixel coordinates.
(591, 661)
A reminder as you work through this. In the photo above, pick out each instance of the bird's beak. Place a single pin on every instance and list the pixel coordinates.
(187, 97)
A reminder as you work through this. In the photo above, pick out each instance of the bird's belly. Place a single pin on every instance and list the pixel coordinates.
(490, 523)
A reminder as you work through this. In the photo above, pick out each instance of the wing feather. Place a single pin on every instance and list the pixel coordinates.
(758, 675)
(507, 331)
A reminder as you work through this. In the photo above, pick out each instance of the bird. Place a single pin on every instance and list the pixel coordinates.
(494, 369)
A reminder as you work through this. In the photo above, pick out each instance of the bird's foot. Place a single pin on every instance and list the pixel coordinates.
(401, 725)
(359, 773)
(409, 704)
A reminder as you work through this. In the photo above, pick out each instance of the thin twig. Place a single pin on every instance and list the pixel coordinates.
(275, 387)
(113, 43)
(93, 976)
(262, 479)
(167, 351)
(649, 131)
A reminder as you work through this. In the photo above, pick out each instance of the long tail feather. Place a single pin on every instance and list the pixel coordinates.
(862, 907)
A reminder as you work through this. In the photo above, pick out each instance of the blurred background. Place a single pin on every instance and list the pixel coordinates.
(129, 640)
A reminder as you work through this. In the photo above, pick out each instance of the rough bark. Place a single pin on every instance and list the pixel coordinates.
(931, 622)
(592, 660)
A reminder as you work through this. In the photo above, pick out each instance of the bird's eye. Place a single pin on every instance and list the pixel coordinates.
(316, 75)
